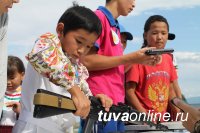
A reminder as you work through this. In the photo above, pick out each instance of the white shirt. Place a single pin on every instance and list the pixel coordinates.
(55, 124)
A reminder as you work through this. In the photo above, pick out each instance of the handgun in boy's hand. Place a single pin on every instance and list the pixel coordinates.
(159, 51)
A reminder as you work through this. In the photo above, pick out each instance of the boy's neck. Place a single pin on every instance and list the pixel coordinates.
(112, 7)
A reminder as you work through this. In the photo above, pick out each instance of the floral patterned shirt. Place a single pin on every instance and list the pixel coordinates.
(48, 59)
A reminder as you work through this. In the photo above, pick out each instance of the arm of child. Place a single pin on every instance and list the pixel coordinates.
(132, 97)
(94, 61)
(193, 122)
(177, 89)
(173, 110)
(81, 102)
(15, 106)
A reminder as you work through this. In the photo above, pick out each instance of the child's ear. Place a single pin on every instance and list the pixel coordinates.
(59, 29)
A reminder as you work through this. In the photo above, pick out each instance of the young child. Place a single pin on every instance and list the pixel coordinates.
(148, 87)
(54, 65)
(11, 108)
(124, 35)
(106, 64)
(4, 5)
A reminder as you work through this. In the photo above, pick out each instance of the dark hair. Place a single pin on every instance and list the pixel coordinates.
(107, 1)
(151, 20)
(15, 64)
(80, 17)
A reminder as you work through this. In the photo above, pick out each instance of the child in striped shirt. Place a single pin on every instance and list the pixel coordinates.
(11, 108)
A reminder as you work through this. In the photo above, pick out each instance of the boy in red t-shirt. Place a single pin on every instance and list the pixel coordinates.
(148, 87)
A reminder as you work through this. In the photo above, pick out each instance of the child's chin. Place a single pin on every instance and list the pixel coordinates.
(11, 89)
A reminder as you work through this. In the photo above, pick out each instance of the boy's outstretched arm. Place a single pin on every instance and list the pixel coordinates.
(94, 61)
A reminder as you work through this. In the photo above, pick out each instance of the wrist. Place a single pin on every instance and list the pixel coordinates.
(74, 90)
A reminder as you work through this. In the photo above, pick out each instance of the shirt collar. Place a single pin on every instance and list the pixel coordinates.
(109, 16)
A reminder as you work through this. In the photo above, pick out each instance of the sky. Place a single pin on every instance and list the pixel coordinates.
(31, 18)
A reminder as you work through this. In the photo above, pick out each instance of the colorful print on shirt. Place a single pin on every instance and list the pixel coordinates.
(48, 59)
(158, 90)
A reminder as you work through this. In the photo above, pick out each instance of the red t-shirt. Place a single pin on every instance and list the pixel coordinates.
(153, 83)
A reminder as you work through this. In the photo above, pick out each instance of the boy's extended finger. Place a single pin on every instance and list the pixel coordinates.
(102, 99)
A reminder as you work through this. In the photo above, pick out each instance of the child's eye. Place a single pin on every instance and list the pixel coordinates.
(154, 33)
(79, 42)
(164, 33)
(11, 78)
(88, 46)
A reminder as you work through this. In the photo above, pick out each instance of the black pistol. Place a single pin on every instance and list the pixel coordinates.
(158, 51)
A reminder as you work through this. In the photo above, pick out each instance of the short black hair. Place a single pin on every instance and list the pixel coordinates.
(80, 17)
(15, 64)
(107, 1)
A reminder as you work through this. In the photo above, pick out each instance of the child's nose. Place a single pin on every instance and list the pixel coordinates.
(8, 82)
(159, 36)
(81, 50)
